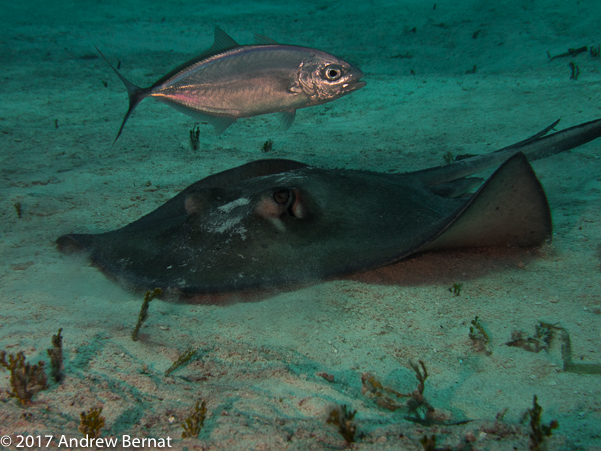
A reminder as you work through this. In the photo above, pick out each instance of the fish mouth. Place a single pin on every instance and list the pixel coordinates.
(353, 85)
(354, 81)
(358, 84)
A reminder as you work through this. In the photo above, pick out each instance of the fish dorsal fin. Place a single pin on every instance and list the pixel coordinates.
(264, 40)
(510, 209)
(222, 42)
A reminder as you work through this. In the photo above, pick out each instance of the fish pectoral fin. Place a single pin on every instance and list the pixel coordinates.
(260, 39)
(286, 118)
(295, 87)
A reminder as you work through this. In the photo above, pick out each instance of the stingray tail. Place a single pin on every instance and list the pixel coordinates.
(535, 148)
(135, 93)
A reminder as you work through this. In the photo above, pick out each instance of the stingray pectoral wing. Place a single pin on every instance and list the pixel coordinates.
(510, 209)
(134, 247)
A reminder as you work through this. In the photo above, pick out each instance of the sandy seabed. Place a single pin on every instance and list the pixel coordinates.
(463, 76)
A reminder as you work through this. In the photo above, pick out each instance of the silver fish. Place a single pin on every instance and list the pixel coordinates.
(229, 81)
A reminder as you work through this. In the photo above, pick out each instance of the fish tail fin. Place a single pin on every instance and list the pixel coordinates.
(135, 93)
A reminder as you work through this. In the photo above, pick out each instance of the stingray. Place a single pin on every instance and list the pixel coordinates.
(276, 223)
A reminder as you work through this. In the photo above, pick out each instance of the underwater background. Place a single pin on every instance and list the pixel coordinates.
(446, 76)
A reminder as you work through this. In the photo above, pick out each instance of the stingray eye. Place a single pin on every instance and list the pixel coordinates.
(280, 204)
(281, 197)
(288, 199)
(332, 72)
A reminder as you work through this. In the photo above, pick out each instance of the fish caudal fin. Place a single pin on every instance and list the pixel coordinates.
(135, 93)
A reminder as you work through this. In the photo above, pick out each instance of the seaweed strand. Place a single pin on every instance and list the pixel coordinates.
(149, 296)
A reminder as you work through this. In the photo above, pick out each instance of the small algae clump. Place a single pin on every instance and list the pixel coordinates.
(25, 379)
(267, 146)
(185, 357)
(417, 401)
(543, 336)
(341, 417)
(194, 137)
(19, 210)
(575, 70)
(91, 422)
(539, 432)
(428, 443)
(456, 289)
(572, 367)
(196, 420)
(448, 157)
(56, 356)
(381, 395)
(479, 337)
(384, 396)
(149, 296)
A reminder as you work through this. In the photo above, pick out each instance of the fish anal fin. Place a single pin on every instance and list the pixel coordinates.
(286, 118)
(510, 209)
(264, 40)
(220, 123)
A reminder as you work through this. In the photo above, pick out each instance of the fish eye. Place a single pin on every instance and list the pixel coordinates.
(333, 72)
(281, 197)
